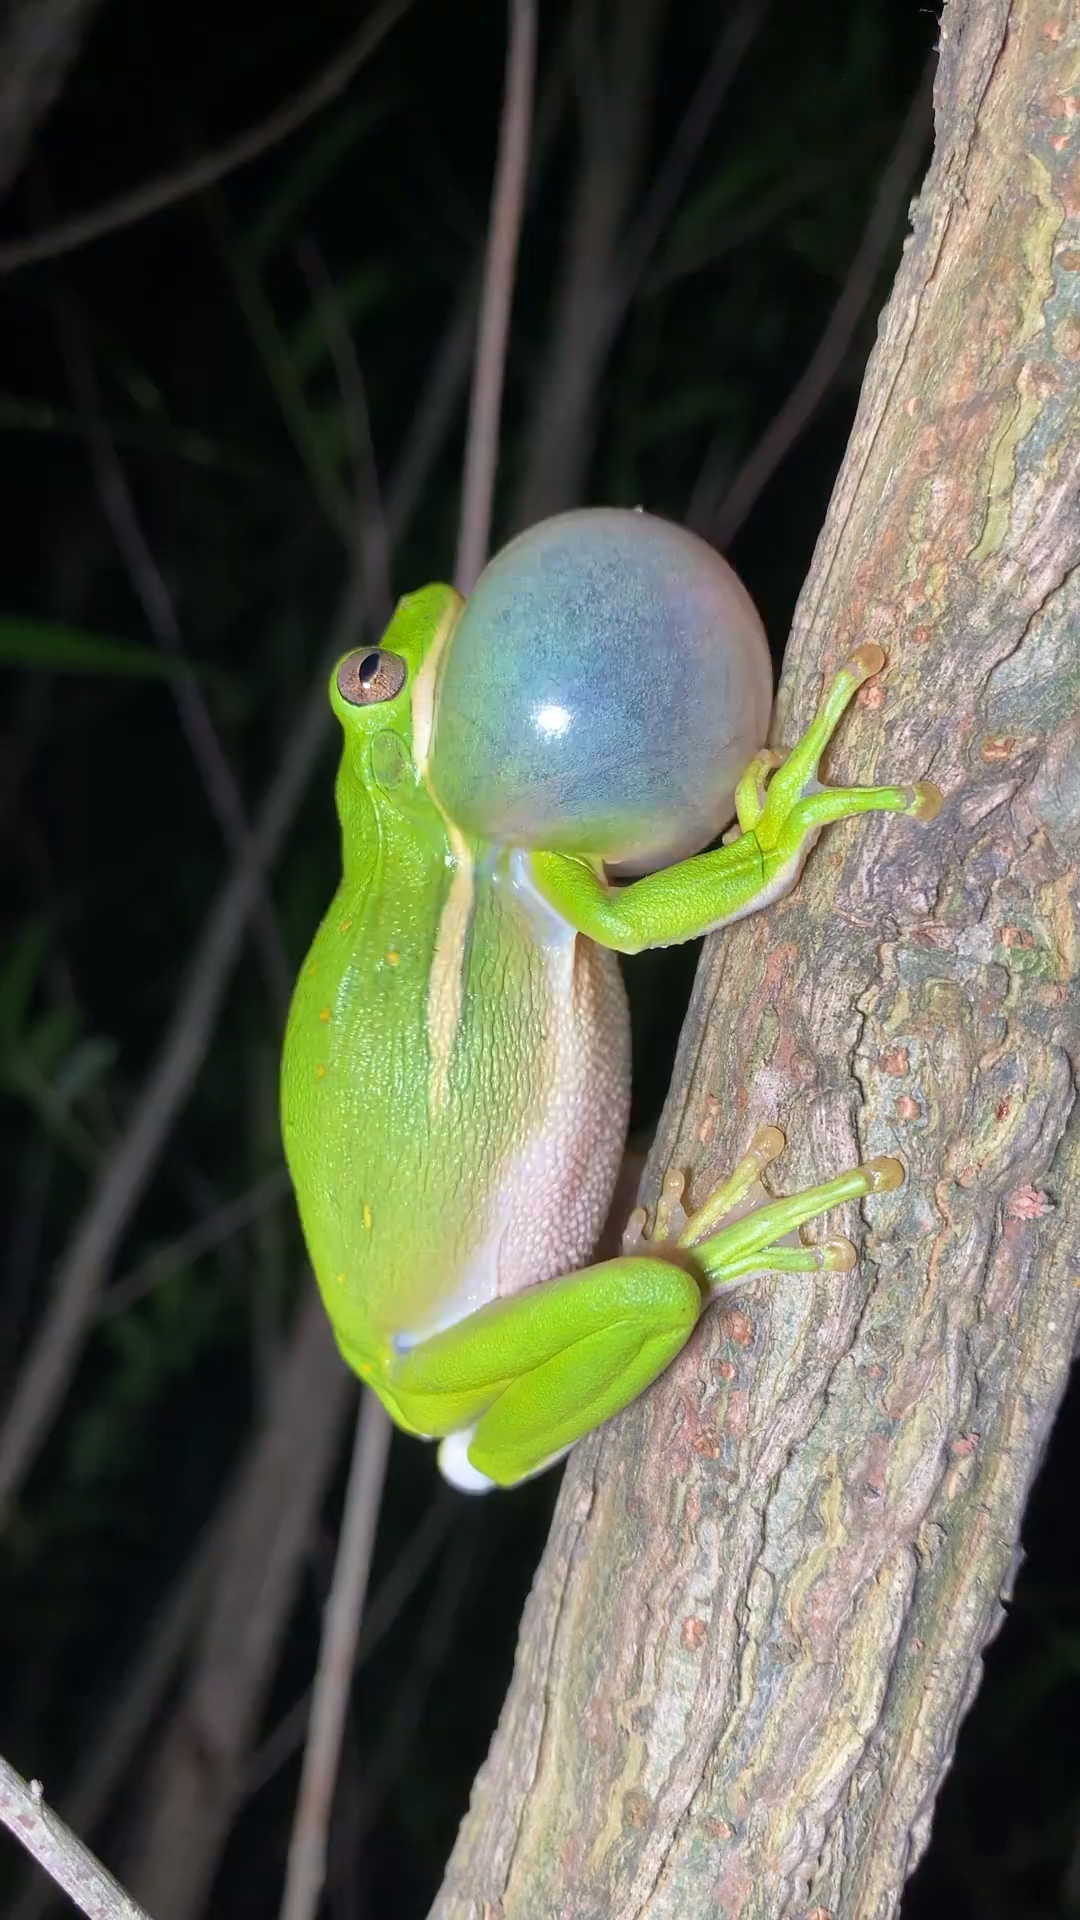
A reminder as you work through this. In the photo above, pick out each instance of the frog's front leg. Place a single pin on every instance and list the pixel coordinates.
(781, 807)
(512, 1386)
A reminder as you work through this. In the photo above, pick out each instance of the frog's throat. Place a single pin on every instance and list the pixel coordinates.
(446, 979)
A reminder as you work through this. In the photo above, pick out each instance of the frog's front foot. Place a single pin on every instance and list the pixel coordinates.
(780, 799)
(740, 1227)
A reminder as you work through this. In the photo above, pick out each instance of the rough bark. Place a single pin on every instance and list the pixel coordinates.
(761, 1612)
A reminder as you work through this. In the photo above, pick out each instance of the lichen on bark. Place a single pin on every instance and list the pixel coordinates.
(761, 1612)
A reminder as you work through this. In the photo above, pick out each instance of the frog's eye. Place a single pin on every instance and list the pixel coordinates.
(365, 678)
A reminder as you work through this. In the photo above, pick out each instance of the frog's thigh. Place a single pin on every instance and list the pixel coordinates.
(538, 1370)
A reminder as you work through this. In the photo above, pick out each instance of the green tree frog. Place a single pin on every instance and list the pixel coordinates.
(527, 781)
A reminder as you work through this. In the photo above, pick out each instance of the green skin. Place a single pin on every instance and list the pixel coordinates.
(419, 1051)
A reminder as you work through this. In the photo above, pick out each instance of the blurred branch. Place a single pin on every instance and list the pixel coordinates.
(306, 1870)
(148, 584)
(379, 1615)
(207, 1233)
(371, 535)
(504, 231)
(604, 266)
(433, 1643)
(20, 415)
(181, 182)
(439, 398)
(37, 53)
(613, 76)
(448, 373)
(667, 188)
(54, 1847)
(195, 1780)
(722, 521)
(282, 378)
(58, 1343)
(739, 227)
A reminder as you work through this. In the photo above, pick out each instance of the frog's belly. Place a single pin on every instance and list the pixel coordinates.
(556, 1179)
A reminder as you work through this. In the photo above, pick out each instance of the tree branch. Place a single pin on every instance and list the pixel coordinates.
(39, 49)
(196, 1778)
(762, 1609)
(182, 182)
(720, 523)
(306, 1869)
(504, 230)
(73, 1867)
(149, 587)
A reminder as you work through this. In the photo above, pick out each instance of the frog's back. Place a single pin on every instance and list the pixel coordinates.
(455, 1094)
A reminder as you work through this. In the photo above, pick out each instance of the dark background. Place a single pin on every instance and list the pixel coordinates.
(193, 334)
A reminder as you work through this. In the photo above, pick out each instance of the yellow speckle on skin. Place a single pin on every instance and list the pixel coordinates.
(320, 1071)
(393, 957)
(365, 1215)
(324, 1014)
(311, 970)
(340, 1278)
(344, 925)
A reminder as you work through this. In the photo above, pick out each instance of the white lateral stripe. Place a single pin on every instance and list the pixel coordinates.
(446, 980)
(422, 702)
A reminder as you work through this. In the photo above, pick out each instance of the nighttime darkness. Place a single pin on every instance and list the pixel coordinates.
(748, 1588)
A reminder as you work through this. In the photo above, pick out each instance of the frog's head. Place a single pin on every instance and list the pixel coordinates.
(384, 695)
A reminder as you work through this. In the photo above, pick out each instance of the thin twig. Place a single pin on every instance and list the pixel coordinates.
(723, 522)
(614, 69)
(277, 364)
(690, 136)
(439, 396)
(379, 1615)
(177, 443)
(190, 1782)
(206, 1234)
(24, 1812)
(181, 182)
(372, 536)
(42, 41)
(433, 1644)
(504, 232)
(306, 1869)
(109, 1750)
(150, 589)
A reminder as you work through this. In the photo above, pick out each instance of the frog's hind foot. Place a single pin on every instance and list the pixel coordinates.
(742, 1229)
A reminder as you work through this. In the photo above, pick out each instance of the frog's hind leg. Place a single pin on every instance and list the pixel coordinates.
(513, 1385)
(521, 1379)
